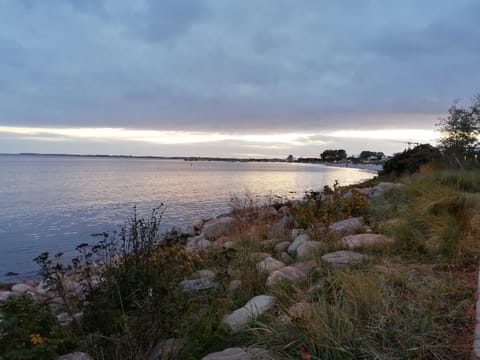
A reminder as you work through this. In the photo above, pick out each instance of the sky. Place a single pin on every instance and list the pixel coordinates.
(250, 78)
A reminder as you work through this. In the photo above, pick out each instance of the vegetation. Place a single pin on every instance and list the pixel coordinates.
(460, 130)
(333, 155)
(410, 161)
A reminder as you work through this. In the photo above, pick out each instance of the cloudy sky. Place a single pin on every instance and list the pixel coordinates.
(231, 78)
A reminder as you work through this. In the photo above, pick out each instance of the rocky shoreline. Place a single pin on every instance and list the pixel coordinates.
(288, 260)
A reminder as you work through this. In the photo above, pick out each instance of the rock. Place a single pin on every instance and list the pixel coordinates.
(284, 210)
(75, 356)
(229, 245)
(365, 191)
(287, 272)
(307, 248)
(216, 228)
(11, 273)
(229, 354)
(167, 349)
(296, 232)
(281, 226)
(343, 257)
(239, 354)
(72, 287)
(347, 226)
(268, 212)
(198, 284)
(4, 295)
(304, 266)
(234, 285)
(267, 244)
(22, 289)
(188, 230)
(299, 240)
(358, 240)
(269, 264)
(205, 274)
(252, 309)
(281, 247)
(287, 259)
(197, 243)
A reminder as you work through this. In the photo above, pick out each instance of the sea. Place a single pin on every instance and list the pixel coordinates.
(54, 203)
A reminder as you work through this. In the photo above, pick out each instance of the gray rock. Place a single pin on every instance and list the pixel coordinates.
(304, 266)
(284, 210)
(296, 232)
(234, 285)
(198, 284)
(229, 245)
(216, 228)
(268, 212)
(4, 295)
(260, 256)
(287, 272)
(281, 226)
(252, 309)
(239, 354)
(287, 259)
(358, 240)
(347, 226)
(22, 289)
(299, 240)
(205, 274)
(269, 264)
(75, 356)
(307, 248)
(281, 247)
(167, 349)
(343, 257)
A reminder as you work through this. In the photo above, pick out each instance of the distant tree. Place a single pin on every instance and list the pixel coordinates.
(290, 158)
(460, 130)
(409, 161)
(333, 155)
(364, 155)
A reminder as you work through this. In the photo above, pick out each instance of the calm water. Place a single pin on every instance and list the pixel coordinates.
(55, 203)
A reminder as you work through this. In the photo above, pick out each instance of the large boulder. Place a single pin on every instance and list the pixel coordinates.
(299, 240)
(252, 309)
(75, 356)
(307, 248)
(347, 226)
(343, 258)
(239, 354)
(218, 227)
(285, 273)
(359, 240)
(281, 246)
(269, 264)
(198, 284)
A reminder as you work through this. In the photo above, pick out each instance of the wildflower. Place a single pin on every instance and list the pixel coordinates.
(36, 339)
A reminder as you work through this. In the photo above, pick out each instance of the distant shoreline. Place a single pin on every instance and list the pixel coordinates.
(370, 167)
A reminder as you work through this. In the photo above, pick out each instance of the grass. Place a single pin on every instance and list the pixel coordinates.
(412, 299)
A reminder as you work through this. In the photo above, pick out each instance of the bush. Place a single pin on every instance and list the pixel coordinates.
(29, 330)
(410, 161)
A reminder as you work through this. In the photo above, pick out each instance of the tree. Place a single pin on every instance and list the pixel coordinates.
(460, 130)
(364, 155)
(333, 155)
(409, 161)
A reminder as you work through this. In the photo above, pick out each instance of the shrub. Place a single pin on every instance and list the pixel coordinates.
(410, 161)
(29, 330)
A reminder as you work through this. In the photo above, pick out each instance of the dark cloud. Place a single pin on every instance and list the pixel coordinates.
(235, 66)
